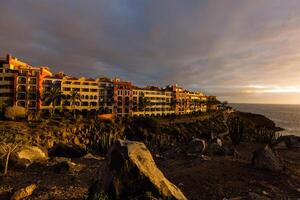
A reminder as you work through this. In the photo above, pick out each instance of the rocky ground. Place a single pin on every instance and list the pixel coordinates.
(207, 177)
(219, 177)
(218, 172)
(52, 184)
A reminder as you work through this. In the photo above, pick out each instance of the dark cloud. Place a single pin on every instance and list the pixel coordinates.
(222, 47)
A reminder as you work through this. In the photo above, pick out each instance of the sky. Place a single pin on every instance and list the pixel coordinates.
(239, 50)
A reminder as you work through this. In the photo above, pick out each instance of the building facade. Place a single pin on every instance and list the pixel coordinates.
(20, 83)
(24, 85)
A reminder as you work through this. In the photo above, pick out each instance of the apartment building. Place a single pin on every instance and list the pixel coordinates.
(159, 101)
(122, 97)
(106, 95)
(88, 90)
(20, 83)
(7, 80)
(24, 85)
(197, 102)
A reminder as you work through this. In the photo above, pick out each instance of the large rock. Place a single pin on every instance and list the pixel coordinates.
(26, 155)
(197, 146)
(130, 172)
(255, 127)
(216, 148)
(24, 192)
(288, 141)
(67, 150)
(265, 158)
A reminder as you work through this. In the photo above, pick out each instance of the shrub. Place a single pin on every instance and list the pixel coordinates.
(236, 129)
(264, 135)
(15, 112)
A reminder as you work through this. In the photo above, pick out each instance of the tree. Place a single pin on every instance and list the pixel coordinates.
(75, 97)
(8, 145)
(7, 150)
(144, 102)
(53, 97)
(174, 103)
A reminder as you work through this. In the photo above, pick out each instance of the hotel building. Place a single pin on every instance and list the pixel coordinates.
(20, 83)
(24, 85)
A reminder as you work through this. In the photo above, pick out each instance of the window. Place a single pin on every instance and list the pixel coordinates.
(8, 78)
(66, 89)
(84, 103)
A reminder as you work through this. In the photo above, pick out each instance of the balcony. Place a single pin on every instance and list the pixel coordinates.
(21, 88)
(21, 80)
(32, 96)
(32, 81)
(21, 96)
(22, 73)
(32, 89)
(32, 104)
(6, 90)
(21, 103)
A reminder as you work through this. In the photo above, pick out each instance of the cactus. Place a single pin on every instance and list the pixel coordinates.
(236, 129)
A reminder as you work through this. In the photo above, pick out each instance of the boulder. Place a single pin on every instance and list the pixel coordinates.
(64, 165)
(24, 192)
(197, 146)
(130, 172)
(265, 158)
(288, 141)
(26, 155)
(67, 150)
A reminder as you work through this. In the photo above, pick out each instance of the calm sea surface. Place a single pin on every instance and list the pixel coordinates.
(285, 116)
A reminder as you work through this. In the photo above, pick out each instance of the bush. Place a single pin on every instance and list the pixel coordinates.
(236, 129)
(15, 112)
(264, 135)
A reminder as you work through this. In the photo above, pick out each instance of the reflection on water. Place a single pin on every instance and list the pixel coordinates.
(285, 116)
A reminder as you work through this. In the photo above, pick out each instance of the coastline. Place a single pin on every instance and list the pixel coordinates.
(285, 116)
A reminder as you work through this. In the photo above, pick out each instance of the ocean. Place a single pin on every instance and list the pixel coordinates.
(284, 116)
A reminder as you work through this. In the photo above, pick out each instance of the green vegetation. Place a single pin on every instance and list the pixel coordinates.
(236, 130)
(53, 97)
(144, 102)
(8, 145)
(75, 98)
(264, 135)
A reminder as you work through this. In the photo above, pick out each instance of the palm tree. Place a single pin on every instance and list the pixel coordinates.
(53, 97)
(74, 98)
(143, 103)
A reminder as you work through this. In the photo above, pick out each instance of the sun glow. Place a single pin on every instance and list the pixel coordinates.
(271, 89)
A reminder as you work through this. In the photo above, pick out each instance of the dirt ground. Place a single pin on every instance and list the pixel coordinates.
(52, 185)
(220, 177)
(216, 177)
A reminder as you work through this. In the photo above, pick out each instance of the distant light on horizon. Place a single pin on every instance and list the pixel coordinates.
(271, 89)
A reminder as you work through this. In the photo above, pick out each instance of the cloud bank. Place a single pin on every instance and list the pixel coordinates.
(242, 51)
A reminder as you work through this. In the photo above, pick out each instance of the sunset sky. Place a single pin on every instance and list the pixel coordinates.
(239, 50)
